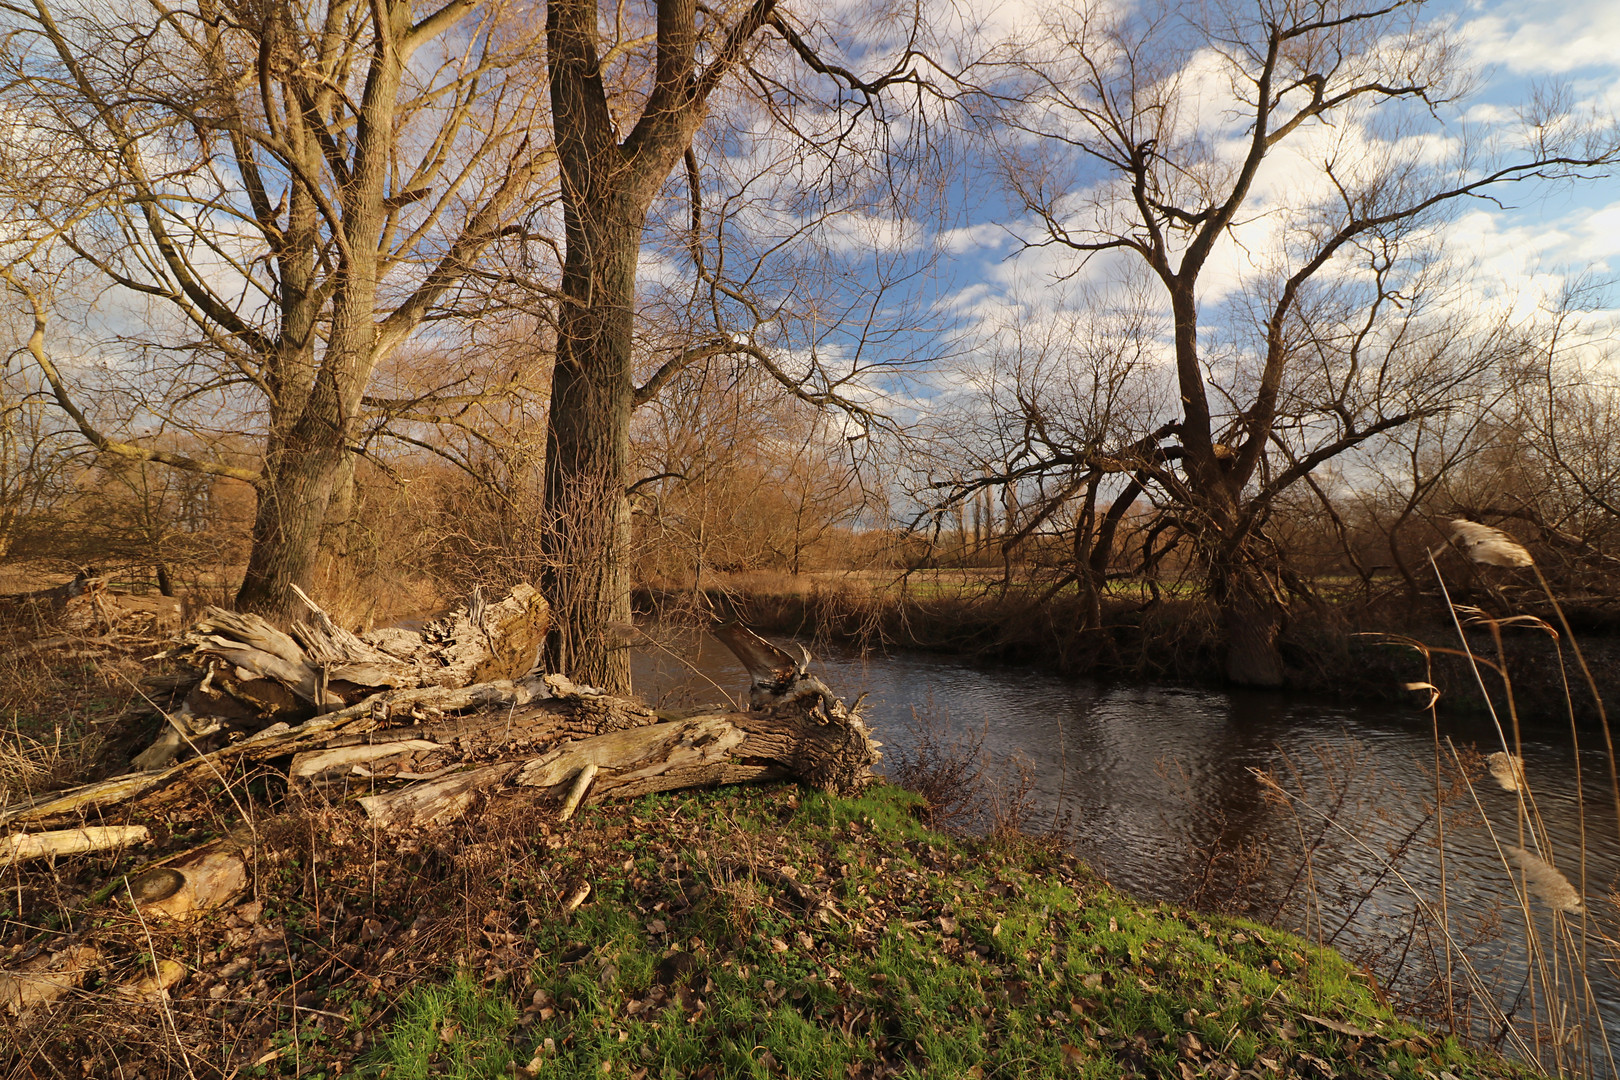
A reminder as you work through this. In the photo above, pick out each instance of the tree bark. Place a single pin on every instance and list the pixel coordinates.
(289, 522)
(587, 539)
(1251, 621)
(608, 184)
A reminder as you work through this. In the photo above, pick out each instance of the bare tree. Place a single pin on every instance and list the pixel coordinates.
(1062, 412)
(736, 476)
(625, 112)
(1171, 136)
(285, 190)
(38, 459)
(1547, 458)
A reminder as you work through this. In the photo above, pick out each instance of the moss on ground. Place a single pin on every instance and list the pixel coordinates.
(776, 933)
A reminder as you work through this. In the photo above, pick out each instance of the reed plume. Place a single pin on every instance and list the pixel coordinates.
(1547, 883)
(1506, 769)
(1484, 544)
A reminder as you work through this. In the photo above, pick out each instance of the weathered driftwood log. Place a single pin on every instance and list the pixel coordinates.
(563, 712)
(423, 754)
(248, 673)
(22, 847)
(248, 667)
(831, 750)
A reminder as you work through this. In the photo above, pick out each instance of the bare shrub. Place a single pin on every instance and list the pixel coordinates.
(965, 788)
(1012, 803)
(946, 768)
(1228, 872)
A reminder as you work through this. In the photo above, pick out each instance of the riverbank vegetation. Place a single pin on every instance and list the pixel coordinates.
(490, 897)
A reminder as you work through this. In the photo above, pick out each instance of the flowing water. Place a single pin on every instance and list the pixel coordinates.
(1146, 781)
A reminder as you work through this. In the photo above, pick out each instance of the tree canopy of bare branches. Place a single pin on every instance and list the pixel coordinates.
(1279, 170)
(271, 197)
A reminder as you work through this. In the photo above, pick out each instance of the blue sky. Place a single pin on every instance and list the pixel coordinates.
(1543, 235)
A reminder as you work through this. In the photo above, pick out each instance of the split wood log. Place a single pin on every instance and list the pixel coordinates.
(191, 883)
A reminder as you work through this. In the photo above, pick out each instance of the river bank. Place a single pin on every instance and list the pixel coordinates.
(1349, 650)
(351, 955)
(735, 933)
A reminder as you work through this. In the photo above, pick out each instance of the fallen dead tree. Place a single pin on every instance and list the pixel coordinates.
(415, 726)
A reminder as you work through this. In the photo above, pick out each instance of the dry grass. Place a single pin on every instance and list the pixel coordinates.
(1555, 1019)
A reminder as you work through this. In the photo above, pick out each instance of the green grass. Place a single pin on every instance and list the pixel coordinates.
(931, 957)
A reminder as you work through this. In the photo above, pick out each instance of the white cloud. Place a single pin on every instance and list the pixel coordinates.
(984, 237)
(1542, 37)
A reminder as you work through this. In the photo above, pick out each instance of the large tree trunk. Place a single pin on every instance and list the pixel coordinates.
(587, 537)
(1251, 621)
(607, 185)
(304, 470)
(288, 525)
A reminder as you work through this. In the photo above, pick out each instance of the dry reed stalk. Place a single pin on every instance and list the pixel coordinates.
(1539, 877)
(1535, 953)
(1440, 828)
(1477, 982)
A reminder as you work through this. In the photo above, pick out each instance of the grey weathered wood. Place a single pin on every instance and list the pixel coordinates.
(576, 793)
(834, 752)
(426, 753)
(247, 666)
(22, 847)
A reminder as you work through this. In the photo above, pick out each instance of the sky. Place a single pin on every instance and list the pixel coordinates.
(1521, 253)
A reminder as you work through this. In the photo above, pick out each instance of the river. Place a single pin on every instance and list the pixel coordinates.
(1145, 782)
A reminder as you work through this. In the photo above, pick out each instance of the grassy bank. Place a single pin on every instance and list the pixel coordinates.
(736, 933)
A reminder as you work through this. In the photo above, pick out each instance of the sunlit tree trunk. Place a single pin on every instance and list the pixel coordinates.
(607, 187)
